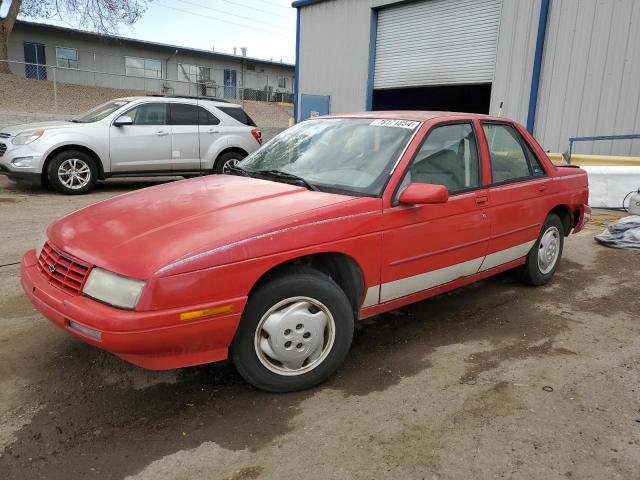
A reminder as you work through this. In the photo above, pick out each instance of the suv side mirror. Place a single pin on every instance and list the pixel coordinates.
(422, 193)
(123, 120)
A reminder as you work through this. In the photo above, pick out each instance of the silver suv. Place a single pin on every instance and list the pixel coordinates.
(134, 136)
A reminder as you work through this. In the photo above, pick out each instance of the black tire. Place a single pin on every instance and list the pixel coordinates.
(82, 159)
(225, 158)
(532, 273)
(299, 282)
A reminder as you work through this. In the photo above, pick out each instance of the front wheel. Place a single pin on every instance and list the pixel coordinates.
(544, 257)
(72, 172)
(295, 332)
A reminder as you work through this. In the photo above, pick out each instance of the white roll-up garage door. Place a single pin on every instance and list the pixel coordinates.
(437, 42)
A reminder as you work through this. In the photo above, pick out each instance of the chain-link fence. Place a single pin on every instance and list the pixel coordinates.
(142, 79)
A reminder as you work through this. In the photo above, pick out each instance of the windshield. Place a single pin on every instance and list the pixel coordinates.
(101, 111)
(345, 155)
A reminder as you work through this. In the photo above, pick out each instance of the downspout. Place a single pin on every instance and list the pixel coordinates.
(296, 71)
(537, 64)
(373, 34)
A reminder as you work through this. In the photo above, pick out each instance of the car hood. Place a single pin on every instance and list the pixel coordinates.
(139, 233)
(15, 129)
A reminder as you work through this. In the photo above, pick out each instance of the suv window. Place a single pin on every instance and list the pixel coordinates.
(206, 117)
(449, 157)
(184, 114)
(511, 157)
(238, 114)
(149, 114)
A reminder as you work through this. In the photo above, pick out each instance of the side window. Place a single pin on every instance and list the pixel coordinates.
(183, 114)
(511, 158)
(149, 114)
(448, 157)
(205, 117)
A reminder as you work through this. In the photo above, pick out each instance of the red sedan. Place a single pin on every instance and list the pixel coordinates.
(337, 219)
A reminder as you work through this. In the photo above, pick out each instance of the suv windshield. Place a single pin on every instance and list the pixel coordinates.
(101, 111)
(346, 155)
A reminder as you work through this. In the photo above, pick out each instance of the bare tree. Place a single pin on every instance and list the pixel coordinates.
(102, 16)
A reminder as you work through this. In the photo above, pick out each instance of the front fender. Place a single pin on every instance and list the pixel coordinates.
(61, 139)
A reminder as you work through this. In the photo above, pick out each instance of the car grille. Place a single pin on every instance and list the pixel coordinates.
(62, 271)
(3, 148)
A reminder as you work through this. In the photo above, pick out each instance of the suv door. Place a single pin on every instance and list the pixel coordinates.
(144, 146)
(517, 200)
(210, 131)
(429, 245)
(185, 142)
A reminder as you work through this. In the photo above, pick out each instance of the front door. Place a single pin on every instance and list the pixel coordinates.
(144, 146)
(426, 246)
(35, 61)
(518, 206)
(230, 83)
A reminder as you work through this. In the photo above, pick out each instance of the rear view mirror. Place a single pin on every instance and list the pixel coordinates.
(423, 193)
(123, 120)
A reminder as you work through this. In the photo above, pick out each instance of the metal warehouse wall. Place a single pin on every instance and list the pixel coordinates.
(590, 81)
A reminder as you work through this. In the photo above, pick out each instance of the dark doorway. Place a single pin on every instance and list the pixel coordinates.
(448, 98)
(35, 61)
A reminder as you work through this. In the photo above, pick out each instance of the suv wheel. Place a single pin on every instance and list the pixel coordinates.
(72, 172)
(295, 332)
(227, 160)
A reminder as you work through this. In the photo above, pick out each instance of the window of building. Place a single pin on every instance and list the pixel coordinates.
(511, 158)
(193, 73)
(67, 57)
(282, 82)
(142, 67)
(448, 157)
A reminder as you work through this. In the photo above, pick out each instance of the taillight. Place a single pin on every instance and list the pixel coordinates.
(257, 134)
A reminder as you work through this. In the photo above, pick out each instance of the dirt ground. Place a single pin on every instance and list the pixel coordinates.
(495, 380)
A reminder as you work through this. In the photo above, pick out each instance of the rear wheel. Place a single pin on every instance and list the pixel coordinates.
(226, 161)
(544, 257)
(295, 332)
(72, 172)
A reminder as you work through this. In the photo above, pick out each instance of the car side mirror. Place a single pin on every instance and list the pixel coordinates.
(123, 120)
(423, 193)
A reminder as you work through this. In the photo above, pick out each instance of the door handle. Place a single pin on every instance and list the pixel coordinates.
(211, 130)
(161, 133)
(481, 200)
(542, 188)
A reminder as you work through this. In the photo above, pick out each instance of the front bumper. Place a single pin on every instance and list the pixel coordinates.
(169, 343)
(30, 178)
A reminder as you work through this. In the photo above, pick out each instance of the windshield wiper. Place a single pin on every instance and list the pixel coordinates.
(236, 169)
(287, 176)
(74, 120)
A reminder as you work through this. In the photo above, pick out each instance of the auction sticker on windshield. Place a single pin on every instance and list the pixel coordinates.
(409, 124)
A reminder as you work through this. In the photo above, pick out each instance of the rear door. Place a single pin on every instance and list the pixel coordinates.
(144, 146)
(426, 246)
(209, 131)
(517, 194)
(185, 137)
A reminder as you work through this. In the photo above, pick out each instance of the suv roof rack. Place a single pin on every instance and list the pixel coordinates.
(191, 97)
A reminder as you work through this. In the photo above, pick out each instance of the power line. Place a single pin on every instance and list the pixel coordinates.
(234, 15)
(266, 12)
(274, 4)
(222, 21)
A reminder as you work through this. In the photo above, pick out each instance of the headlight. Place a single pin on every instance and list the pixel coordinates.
(27, 137)
(113, 289)
(40, 245)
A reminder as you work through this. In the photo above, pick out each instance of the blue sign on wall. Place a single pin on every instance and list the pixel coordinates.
(313, 106)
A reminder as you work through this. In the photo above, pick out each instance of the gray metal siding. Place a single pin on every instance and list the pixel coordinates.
(437, 42)
(514, 59)
(334, 52)
(591, 76)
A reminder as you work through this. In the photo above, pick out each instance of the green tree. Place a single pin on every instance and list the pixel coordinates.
(103, 16)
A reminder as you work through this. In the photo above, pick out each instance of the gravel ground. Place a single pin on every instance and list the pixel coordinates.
(494, 380)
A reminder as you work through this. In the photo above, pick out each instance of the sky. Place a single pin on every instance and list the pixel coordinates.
(265, 27)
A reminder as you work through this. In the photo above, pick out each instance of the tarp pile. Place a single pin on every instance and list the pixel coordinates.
(625, 233)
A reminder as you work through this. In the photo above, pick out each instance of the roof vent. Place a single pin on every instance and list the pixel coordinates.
(244, 51)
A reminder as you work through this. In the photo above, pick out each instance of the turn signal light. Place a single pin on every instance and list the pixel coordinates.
(207, 312)
(257, 134)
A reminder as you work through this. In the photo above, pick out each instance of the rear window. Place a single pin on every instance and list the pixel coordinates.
(238, 114)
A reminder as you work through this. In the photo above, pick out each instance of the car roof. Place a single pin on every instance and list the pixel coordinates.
(179, 99)
(415, 115)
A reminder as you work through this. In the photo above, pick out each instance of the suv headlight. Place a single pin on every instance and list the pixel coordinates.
(24, 138)
(113, 289)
